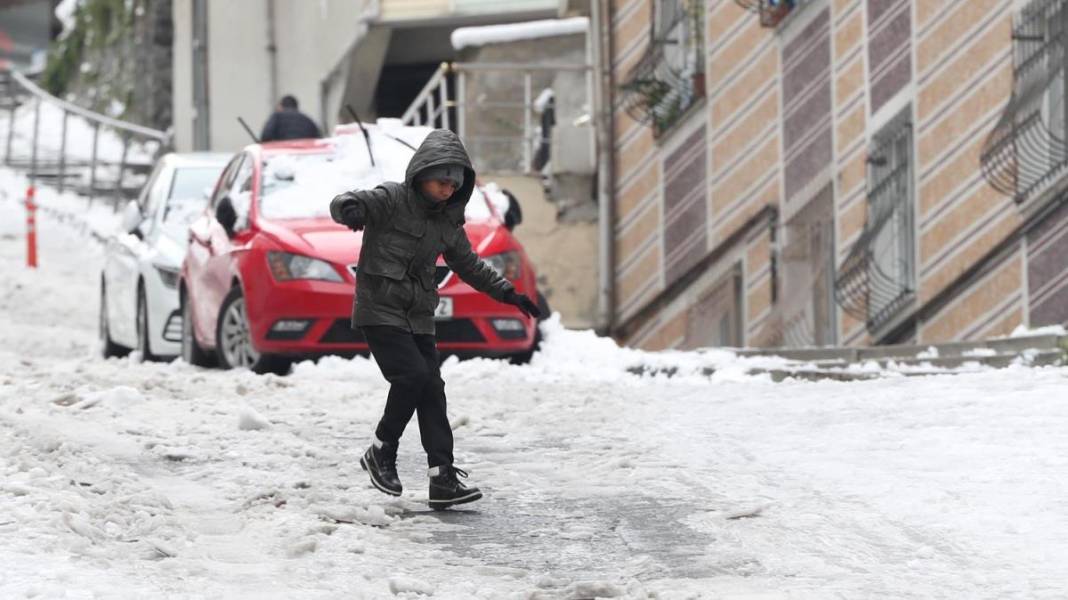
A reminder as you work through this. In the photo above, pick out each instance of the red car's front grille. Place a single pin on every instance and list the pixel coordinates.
(341, 332)
(458, 330)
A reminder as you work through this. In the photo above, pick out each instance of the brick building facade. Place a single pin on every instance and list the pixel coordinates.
(837, 171)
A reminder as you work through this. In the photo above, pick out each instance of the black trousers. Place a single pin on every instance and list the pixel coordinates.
(412, 366)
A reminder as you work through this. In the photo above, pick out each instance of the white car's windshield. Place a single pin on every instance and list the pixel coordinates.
(301, 185)
(186, 198)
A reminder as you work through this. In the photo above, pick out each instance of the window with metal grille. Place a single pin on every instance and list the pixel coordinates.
(669, 78)
(876, 281)
(892, 268)
(1028, 149)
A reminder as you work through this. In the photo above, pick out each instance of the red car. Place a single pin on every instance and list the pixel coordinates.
(268, 276)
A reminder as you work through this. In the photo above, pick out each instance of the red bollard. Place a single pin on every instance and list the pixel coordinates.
(31, 229)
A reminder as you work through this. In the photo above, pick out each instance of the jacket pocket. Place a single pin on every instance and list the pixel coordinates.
(394, 293)
(385, 266)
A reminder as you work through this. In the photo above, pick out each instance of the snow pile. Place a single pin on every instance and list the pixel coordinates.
(250, 420)
(530, 30)
(1024, 331)
(79, 216)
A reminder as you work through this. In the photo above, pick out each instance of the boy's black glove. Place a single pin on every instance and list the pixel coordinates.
(351, 217)
(523, 303)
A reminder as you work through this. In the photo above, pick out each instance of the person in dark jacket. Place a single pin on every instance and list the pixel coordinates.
(406, 227)
(288, 123)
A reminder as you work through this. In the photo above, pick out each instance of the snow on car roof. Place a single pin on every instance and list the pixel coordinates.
(301, 177)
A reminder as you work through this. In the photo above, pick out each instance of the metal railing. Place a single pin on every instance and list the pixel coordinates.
(1027, 150)
(876, 281)
(105, 157)
(497, 124)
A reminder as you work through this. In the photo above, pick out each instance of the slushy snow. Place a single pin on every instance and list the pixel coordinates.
(121, 479)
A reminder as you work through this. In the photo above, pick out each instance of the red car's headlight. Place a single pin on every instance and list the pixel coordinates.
(285, 267)
(507, 264)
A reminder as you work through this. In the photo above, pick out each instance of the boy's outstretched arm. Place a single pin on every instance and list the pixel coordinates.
(359, 208)
(462, 259)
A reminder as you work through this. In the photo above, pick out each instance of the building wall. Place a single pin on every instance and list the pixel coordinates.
(793, 109)
(311, 39)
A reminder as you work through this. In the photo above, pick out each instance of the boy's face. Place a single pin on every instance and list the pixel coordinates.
(438, 190)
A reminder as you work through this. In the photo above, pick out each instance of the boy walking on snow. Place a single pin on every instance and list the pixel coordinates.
(406, 226)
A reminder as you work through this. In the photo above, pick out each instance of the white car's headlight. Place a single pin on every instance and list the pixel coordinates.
(285, 267)
(507, 264)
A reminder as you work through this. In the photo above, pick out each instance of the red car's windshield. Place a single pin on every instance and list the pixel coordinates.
(301, 185)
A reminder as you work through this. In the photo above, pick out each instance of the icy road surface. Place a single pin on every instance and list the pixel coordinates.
(125, 480)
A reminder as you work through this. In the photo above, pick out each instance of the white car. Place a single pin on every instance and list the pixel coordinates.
(138, 286)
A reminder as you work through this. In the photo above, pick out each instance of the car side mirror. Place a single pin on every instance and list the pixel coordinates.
(131, 218)
(226, 215)
(514, 215)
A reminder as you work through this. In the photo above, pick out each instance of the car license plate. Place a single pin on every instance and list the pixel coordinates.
(444, 309)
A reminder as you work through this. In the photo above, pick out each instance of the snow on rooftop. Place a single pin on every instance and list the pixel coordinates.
(529, 30)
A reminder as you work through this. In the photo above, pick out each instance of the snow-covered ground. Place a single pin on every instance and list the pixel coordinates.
(127, 480)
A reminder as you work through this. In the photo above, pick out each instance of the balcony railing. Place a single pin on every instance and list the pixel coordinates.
(1027, 150)
(669, 78)
(876, 280)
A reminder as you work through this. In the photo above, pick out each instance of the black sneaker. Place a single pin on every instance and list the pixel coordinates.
(381, 464)
(446, 489)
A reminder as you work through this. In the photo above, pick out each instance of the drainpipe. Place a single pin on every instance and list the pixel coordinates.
(272, 55)
(601, 56)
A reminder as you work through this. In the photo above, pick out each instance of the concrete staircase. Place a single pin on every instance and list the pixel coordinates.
(858, 364)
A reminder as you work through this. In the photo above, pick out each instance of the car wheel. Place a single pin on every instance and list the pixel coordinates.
(108, 348)
(143, 344)
(234, 339)
(192, 353)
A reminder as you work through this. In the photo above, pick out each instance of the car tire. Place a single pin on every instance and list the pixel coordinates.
(192, 353)
(144, 346)
(234, 339)
(108, 348)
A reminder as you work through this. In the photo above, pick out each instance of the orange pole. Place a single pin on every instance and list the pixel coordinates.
(31, 229)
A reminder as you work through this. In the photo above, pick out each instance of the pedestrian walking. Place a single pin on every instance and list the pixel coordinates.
(288, 123)
(406, 227)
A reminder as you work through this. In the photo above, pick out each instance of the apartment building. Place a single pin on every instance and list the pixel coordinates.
(849, 172)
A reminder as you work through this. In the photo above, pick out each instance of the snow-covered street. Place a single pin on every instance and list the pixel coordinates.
(121, 480)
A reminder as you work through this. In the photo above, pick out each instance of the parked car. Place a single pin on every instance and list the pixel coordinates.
(268, 276)
(139, 281)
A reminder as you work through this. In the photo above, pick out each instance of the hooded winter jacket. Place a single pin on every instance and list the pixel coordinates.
(404, 233)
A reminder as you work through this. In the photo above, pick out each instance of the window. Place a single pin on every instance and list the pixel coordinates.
(227, 180)
(669, 78)
(891, 268)
(1054, 108)
(241, 193)
(1026, 155)
(189, 189)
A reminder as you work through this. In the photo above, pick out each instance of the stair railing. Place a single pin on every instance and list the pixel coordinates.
(58, 164)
